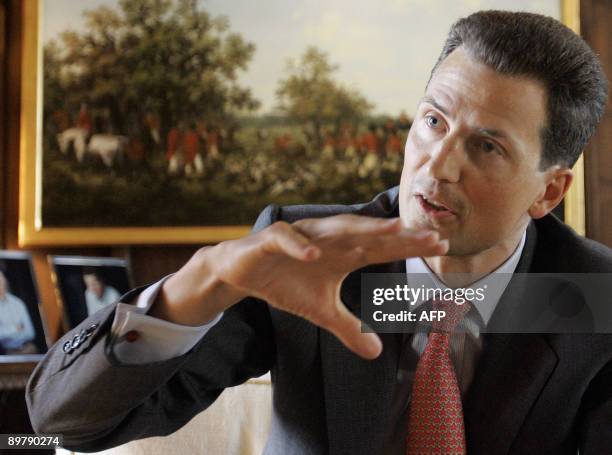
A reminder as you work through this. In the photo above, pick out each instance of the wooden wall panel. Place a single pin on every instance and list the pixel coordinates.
(149, 264)
(596, 28)
(3, 68)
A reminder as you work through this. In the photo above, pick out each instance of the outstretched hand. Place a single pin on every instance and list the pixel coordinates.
(298, 268)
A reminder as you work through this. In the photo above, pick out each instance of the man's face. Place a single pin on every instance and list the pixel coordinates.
(474, 148)
(94, 285)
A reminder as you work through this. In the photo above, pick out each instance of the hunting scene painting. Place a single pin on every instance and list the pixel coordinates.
(200, 113)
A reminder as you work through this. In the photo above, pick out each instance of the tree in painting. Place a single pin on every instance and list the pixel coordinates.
(310, 95)
(162, 57)
(145, 123)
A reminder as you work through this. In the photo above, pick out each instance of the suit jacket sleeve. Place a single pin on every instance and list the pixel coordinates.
(81, 391)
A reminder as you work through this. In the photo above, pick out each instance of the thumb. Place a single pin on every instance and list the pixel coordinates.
(347, 328)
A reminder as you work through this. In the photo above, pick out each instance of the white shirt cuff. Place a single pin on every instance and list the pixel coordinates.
(158, 339)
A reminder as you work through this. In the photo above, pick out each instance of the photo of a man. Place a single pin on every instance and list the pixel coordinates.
(16, 329)
(88, 284)
(98, 294)
(22, 329)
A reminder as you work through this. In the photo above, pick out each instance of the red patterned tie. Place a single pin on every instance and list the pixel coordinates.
(435, 425)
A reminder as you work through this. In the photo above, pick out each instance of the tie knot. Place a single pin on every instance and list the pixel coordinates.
(453, 314)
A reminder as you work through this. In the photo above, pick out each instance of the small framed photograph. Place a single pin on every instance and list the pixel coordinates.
(22, 328)
(87, 284)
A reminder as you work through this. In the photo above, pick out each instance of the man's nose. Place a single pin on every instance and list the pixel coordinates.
(446, 160)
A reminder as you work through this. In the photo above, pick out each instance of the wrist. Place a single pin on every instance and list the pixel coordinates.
(194, 295)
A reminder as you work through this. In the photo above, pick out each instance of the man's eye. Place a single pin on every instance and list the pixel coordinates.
(431, 121)
(488, 146)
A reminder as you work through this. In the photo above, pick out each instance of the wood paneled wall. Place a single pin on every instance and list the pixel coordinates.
(596, 27)
(3, 106)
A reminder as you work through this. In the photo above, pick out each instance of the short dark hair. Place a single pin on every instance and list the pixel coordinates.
(93, 271)
(540, 47)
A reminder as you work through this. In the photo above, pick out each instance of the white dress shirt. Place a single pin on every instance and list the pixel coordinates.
(15, 324)
(95, 303)
(159, 339)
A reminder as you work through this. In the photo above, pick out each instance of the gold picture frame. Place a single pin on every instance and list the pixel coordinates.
(31, 232)
(574, 203)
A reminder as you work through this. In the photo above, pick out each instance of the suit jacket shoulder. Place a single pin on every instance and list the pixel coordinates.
(384, 205)
(560, 249)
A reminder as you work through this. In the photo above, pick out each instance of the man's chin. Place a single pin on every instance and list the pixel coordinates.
(418, 223)
(422, 223)
(454, 248)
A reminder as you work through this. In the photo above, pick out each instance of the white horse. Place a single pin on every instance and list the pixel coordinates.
(75, 136)
(107, 147)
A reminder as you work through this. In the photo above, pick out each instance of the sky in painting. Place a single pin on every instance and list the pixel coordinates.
(383, 48)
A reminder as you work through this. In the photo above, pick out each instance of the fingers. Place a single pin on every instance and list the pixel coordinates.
(347, 328)
(386, 237)
(348, 224)
(412, 244)
(281, 237)
(361, 240)
(405, 244)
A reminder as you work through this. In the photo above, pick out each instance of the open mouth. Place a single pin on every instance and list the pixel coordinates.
(433, 208)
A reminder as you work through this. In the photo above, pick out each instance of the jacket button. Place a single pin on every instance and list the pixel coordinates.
(76, 342)
(132, 336)
(67, 347)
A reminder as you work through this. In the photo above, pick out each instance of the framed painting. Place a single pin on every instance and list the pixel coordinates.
(150, 122)
(88, 284)
(22, 328)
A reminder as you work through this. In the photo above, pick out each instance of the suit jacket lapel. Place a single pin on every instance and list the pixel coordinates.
(511, 373)
(358, 387)
(510, 376)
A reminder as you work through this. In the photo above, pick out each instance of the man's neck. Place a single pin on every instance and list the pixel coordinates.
(464, 270)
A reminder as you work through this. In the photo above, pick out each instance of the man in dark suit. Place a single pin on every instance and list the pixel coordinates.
(509, 107)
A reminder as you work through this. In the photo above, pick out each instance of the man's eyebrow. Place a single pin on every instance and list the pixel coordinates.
(499, 134)
(430, 100)
(491, 132)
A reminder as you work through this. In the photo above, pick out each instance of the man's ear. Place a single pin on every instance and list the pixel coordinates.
(558, 181)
